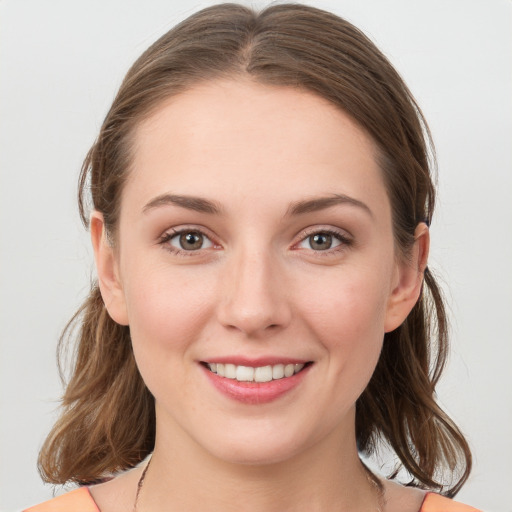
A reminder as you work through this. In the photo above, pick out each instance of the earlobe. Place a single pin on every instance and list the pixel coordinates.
(409, 280)
(108, 270)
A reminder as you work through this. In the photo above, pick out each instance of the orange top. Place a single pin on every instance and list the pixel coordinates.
(80, 500)
(436, 503)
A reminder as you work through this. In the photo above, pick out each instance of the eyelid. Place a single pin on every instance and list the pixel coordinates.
(170, 233)
(343, 236)
(177, 237)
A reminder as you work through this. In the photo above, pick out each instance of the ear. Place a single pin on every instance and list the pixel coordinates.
(409, 280)
(107, 266)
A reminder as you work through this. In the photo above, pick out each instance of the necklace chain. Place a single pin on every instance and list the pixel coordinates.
(139, 485)
(379, 488)
(374, 481)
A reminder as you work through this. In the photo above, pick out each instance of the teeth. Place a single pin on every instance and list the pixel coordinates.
(278, 371)
(230, 371)
(244, 374)
(289, 370)
(259, 374)
(263, 374)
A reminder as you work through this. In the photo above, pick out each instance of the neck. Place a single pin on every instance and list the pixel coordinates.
(327, 476)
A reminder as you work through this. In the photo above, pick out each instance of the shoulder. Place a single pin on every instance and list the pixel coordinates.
(436, 503)
(116, 494)
(79, 500)
(401, 498)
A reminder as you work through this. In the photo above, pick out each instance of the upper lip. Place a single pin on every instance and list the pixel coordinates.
(255, 362)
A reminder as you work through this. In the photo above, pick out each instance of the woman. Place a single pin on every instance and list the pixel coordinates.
(264, 312)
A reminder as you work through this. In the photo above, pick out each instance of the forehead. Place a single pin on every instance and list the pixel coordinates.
(240, 138)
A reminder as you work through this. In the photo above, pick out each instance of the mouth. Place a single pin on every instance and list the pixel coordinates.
(261, 374)
(255, 382)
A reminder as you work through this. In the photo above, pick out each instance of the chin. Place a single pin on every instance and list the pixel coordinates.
(256, 456)
(258, 448)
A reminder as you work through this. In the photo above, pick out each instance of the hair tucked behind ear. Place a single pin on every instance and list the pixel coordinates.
(108, 420)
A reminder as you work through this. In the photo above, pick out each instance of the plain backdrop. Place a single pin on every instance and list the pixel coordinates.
(61, 63)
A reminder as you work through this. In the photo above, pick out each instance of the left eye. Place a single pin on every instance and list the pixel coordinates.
(190, 241)
(320, 241)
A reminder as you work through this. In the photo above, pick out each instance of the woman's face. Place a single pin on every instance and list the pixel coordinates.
(255, 235)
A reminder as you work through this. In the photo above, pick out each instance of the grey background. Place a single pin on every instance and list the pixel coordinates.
(60, 65)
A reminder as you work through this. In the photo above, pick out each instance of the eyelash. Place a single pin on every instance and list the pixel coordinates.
(344, 240)
(169, 235)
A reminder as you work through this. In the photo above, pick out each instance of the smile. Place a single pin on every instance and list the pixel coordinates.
(255, 382)
(258, 374)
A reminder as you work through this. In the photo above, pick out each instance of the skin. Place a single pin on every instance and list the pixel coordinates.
(256, 287)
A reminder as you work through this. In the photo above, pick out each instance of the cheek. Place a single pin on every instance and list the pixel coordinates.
(347, 315)
(166, 312)
(348, 304)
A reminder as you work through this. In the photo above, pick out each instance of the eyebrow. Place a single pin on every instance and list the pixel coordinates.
(321, 203)
(202, 205)
(197, 204)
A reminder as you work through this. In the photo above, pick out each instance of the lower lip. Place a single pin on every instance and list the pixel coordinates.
(256, 392)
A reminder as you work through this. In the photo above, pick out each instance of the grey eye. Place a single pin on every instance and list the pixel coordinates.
(190, 241)
(320, 241)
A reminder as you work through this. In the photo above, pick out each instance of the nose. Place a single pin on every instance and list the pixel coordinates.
(254, 295)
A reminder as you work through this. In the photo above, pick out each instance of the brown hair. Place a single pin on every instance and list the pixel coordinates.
(108, 419)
